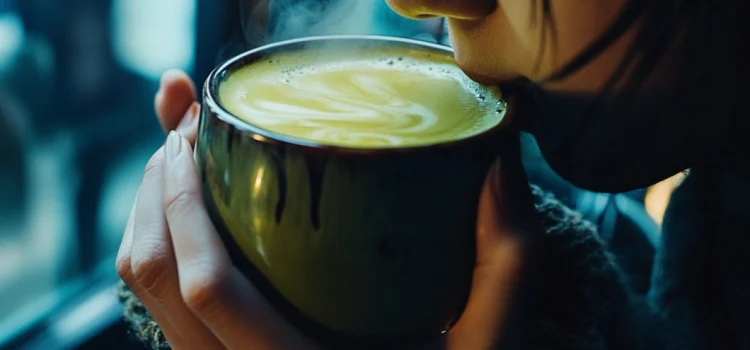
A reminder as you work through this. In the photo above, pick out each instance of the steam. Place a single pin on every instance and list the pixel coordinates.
(290, 19)
(269, 21)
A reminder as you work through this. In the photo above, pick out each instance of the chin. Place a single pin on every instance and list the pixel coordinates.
(482, 78)
(485, 78)
(480, 74)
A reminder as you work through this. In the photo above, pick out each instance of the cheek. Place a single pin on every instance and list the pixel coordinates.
(488, 48)
(510, 42)
(523, 18)
(578, 24)
(505, 44)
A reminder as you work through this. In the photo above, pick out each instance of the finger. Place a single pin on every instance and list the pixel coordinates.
(127, 237)
(211, 287)
(188, 126)
(505, 223)
(507, 209)
(511, 188)
(176, 94)
(124, 269)
(495, 278)
(153, 262)
(152, 255)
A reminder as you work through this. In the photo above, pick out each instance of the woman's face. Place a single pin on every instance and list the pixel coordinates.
(502, 40)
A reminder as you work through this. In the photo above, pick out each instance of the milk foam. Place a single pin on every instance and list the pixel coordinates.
(362, 100)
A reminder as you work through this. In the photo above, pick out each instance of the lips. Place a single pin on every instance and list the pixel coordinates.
(464, 9)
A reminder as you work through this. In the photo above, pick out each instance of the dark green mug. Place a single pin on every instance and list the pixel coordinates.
(356, 247)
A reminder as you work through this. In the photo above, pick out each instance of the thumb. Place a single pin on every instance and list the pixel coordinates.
(504, 222)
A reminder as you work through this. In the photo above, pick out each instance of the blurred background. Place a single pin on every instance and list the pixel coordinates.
(77, 80)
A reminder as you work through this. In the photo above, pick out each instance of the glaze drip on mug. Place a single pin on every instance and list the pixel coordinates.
(362, 98)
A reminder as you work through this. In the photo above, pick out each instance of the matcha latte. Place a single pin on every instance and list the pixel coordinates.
(368, 99)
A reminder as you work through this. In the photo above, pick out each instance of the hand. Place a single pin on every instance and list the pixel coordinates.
(174, 261)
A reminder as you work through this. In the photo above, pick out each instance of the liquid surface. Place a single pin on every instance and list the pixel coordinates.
(383, 98)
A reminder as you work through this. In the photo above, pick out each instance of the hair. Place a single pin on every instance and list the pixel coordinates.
(701, 114)
(702, 24)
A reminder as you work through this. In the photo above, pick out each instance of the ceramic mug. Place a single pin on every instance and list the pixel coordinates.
(356, 247)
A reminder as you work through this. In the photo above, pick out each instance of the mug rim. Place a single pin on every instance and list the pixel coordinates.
(216, 110)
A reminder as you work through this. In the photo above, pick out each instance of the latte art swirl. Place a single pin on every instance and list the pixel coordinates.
(361, 101)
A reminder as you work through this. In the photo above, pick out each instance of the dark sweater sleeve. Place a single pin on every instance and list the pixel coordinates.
(580, 302)
(701, 281)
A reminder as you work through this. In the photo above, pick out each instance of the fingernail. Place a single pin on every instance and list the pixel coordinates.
(187, 121)
(166, 76)
(173, 145)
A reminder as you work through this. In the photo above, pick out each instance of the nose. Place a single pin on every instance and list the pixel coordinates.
(457, 9)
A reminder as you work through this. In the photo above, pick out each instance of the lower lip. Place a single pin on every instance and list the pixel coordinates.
(482, 79)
